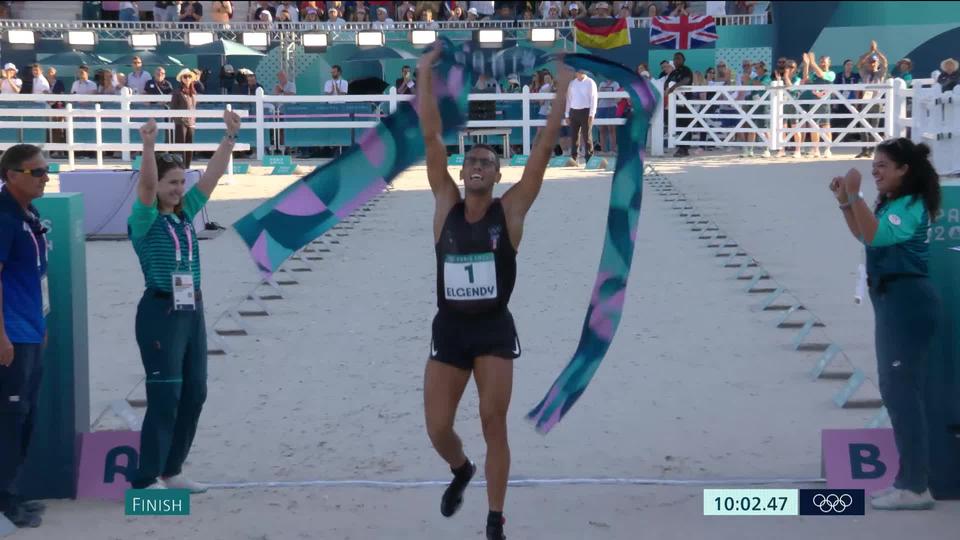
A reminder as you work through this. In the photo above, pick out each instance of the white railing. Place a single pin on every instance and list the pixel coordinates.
(262, 119)
(936, 122)
(721, 116)
(71, 118)
(852, 115)
(303, 26)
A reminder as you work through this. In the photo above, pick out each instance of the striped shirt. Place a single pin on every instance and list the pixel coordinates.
(149, 232)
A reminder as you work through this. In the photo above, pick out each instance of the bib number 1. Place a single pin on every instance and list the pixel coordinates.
(470, 277)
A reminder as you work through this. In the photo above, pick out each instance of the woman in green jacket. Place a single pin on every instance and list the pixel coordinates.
(906, 305)
(170, 328)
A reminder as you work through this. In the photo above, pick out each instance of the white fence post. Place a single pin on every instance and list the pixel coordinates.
(776, 117)
(259, 124)
(656, 123)
(125, 93)
(71, 158)
(891, 115)
(393, 100)
(98, 127)
(526, 120)
(230, 161)
(671, 120)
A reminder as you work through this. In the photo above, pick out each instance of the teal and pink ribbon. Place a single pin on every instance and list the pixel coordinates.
(315, 203)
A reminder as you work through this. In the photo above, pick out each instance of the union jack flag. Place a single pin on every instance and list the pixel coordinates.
(683, 32)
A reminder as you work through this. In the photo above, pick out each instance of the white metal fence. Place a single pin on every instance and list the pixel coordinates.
(718, 116)
(936, 121)
(264, 120)
(775, 117)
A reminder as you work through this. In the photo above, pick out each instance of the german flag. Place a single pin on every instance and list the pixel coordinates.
(602, 33)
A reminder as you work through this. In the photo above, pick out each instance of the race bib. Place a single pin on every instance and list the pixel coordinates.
(470, 277)
(183, 293)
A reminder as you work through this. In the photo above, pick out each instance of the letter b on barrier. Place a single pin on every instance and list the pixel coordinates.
(859, 458)
(863, 457)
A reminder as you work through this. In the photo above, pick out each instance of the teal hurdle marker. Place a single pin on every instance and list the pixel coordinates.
(611, 163)
(804, 332)
(558, 161)
(853, 384)
(594, 162)
(136, 162)
(241, 168)
(272, 161)
(786, 314)
(519, 159)
(289, 168)
(881, 419)
(768, 301)
(455, 159)
(54, 167)
(826, 358)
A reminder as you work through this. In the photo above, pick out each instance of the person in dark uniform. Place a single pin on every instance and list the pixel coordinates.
(23, 328)
(906, 305)
(476, 239)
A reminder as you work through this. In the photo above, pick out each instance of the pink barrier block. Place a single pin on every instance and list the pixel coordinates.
(107, 460)
(859, 458)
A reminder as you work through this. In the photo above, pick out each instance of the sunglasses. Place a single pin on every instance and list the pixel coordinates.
(39, 172)
(170, 158)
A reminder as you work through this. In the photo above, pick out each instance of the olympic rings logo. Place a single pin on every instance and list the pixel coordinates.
(832, 502)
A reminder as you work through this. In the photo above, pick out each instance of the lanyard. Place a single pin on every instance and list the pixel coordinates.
(36, 246)
(176, 242)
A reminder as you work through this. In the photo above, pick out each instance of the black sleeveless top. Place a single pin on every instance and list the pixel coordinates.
(476, 263)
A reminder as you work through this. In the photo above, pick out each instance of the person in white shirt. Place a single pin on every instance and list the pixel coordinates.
(581, 110)
(138, 78)
(39, 85)
(83, 85)
(10, 84)
(383, 22)
(333, 16)
(291, 10)
(335, 86)
(716, 8)
(284, 87)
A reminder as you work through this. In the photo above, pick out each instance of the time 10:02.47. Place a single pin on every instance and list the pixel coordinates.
(750, 504)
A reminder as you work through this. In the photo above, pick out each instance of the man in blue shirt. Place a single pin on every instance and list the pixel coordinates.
(25, 300)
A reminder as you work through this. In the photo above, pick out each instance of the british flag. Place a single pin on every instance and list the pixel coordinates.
(683, 32)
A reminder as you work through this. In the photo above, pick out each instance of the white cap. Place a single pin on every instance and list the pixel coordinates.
(572, 7)
(10, 65)
(473, 10)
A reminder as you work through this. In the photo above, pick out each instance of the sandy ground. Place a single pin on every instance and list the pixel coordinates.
(697, 385)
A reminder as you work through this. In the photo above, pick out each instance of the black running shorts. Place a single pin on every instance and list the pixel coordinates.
(459, 341)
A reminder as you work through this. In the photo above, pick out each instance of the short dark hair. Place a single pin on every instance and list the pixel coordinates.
(680, 54)
(83, 68)
(337, 67)
(14, 157)
(34, 66)
(481, 146)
